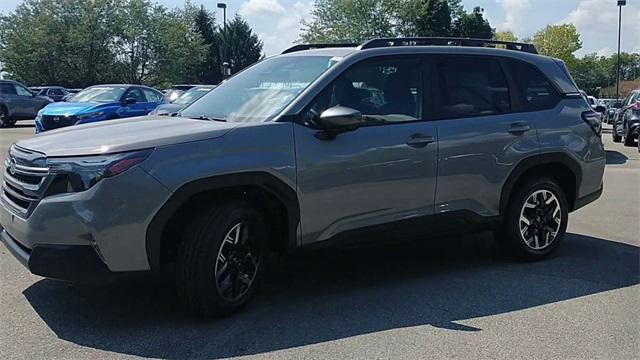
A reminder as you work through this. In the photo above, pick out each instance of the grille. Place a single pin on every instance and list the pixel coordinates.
(50, 122)
(25, 182)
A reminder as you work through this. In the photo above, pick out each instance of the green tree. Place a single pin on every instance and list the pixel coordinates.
(424, 18)
(204, 24)
(350, 20)
(559, 41)
(240, 47)
(473, 25)
(505, 36)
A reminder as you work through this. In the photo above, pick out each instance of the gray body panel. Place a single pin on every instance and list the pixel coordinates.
(363, 178)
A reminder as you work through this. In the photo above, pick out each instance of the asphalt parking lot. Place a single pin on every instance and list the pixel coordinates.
(459, 297)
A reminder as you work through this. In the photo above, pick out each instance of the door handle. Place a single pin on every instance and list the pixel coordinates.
(420, 140)
(519, 128)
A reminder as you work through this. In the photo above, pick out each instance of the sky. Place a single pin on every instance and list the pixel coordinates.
(277, 22)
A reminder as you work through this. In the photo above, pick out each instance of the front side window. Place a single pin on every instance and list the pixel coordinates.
(470, 86)
(135, 94)
(100, 94)
(384, 90)
(535, 90)
(260, 92)
(23, 91)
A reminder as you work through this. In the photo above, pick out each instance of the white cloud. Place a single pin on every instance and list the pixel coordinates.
(277, 26)
(515, 14)
(597, 23)
(261, 8)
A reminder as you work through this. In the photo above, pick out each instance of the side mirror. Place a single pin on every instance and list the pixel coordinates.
(130, 101)
(601, 109)
(338, 119)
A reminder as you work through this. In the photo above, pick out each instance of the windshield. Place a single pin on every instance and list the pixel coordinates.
(191, 95)
(260, 92)
(101, 94)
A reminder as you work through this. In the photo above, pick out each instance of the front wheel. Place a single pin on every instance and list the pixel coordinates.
(616, 138)
(221, 259)
(536, 219)
(628, 139)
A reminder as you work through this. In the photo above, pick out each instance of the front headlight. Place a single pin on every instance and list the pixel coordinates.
(81, 173)
(90, 115)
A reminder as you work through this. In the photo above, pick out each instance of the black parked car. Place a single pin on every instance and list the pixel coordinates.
(627, 123)
(56, 93)
(612, 110)
(17, 102)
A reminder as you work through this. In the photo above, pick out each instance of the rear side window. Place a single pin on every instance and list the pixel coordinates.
(151, 95)
(55, 92)
(7, 89)
(470, 86)
(535, 90)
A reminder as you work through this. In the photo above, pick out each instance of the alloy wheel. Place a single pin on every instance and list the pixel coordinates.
(237, 263)
(540, 219)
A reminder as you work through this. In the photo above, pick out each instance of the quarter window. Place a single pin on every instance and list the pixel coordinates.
(384, 90)
(470, 86)
(535, 90)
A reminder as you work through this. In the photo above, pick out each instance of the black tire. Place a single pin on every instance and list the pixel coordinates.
(616, 138)
(5, 120)
(628, 140)
(510, 236)
(198, 257)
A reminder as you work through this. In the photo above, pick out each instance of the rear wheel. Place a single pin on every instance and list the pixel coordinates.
(628, 139)
(5, 120)
(536, 219)
(221, 259)
(616, 138)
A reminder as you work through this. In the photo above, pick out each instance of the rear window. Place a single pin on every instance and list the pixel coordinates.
(535, 90)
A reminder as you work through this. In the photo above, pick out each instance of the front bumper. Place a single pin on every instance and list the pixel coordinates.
(108, 221)
(77, 263)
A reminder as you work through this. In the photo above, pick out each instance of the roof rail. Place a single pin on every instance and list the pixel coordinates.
(301, 47)
(447, 41)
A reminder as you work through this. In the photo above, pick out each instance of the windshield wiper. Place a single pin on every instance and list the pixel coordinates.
(204, 117)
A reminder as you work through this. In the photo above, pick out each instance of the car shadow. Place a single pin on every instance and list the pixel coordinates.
(335, 294)
(615, 157)
(19, 125)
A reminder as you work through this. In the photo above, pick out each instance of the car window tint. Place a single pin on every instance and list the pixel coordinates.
(23, 91)
(151, 95)
(383, 90)
(55, 92)
(136, 94)
(470, 86)
(7, 89)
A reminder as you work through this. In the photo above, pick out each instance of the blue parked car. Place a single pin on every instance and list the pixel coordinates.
(99, 103)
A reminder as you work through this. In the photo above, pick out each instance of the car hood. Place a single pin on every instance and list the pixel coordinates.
(71, 108)
(124, 135)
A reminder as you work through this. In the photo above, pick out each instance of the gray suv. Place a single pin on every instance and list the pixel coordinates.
(394, 139)
(17, 102)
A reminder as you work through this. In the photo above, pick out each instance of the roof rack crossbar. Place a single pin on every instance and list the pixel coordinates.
(447, 41)
(301, 47)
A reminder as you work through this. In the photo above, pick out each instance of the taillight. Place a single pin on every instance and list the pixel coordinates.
(592, 118)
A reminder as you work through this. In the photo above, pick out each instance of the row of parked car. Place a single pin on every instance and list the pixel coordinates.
(55, 107)
(623, 115)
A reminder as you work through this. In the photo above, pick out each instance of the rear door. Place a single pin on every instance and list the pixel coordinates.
(481, 136)
(379, 176)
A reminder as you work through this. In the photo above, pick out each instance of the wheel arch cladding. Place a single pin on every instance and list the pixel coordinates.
(558, 166)
(275, 200)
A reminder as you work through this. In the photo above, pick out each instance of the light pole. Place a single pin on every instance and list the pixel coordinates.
(223, 6)
(621, 3)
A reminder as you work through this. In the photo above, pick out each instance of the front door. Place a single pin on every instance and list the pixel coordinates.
(136, 108)
(383, 173)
